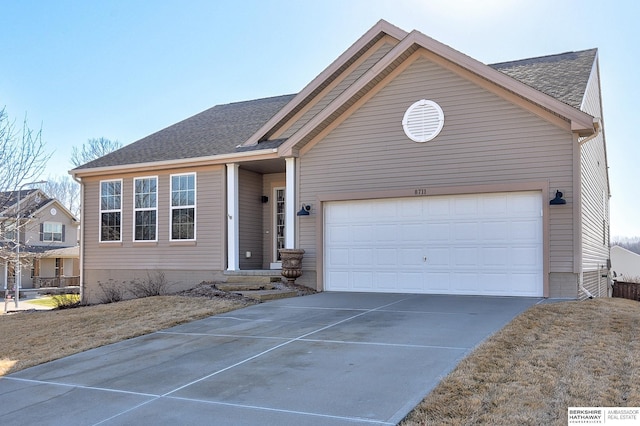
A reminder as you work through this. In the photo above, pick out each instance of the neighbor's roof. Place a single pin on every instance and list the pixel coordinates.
(9, 199)
(219, 130)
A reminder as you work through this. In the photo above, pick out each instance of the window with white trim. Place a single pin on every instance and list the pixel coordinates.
(52, 231)
(183, 207)
(145, 211)
(110, 210)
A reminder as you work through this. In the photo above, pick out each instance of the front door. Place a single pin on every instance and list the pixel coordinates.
(278, 225)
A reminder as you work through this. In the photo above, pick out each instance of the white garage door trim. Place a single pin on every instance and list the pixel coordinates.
(480, 244)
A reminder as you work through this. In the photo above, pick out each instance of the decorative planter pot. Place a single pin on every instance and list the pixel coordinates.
(291, 263)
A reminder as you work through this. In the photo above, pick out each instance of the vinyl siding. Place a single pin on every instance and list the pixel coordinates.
(485, 140)
(251, 211)
(31, 234)
(594, 187)
(206, 253)
(595, 283)
(339, 88)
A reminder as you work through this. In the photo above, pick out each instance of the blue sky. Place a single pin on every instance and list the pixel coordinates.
(125, 69)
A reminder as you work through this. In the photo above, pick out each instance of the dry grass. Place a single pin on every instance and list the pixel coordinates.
(31, 338)
(548, 359)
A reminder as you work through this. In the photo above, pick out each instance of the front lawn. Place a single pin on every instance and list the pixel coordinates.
(551, 357)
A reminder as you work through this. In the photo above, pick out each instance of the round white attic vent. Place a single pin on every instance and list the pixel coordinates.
(423, 121)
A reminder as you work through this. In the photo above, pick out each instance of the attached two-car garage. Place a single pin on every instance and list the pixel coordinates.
(480, 244)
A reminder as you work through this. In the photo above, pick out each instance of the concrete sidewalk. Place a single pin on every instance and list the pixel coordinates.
(326, 359)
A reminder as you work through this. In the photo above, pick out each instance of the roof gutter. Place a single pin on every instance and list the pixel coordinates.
(597, 126)
(212, 159)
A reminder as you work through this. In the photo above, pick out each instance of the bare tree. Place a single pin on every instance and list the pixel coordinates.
(23, 157)
(65, 190)
(92, 149)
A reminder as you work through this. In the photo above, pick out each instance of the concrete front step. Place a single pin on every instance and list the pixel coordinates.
(244, 286)
(268, 294)
(265, 277)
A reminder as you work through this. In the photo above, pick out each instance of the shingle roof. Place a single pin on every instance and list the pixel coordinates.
(563, 76)
(10, 198)
(215, 131)
(219, 130)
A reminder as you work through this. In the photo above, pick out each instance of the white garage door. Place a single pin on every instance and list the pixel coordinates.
(488, 244)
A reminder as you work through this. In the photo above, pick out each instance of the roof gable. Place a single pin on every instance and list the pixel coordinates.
(581, 122)
(555, 84)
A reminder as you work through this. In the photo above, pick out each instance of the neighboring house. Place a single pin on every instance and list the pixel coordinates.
(425, 171)
(48, 238)
(625, 264)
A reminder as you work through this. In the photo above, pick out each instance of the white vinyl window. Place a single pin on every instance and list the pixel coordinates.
(52, 231)
(183, 207)
(110, 210)
(145, 209)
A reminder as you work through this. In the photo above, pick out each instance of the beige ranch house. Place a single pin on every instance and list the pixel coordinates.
(423, 171)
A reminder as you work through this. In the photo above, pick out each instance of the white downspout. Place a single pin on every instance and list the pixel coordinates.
(597, 126)
(81, 237)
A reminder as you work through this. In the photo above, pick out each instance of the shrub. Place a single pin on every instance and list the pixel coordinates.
(155, 284)
(112, 291)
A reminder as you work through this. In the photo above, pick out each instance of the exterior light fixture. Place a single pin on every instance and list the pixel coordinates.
(304, 211)
(558, 200)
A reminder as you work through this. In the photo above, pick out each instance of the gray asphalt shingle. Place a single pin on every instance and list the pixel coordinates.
(563, 76)
(219, 130)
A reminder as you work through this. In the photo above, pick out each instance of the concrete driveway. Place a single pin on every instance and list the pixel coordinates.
(326, 359)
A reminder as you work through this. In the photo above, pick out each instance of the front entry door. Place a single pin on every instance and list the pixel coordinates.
(278, 225)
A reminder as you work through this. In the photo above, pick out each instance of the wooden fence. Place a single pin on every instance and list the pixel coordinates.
(626, 290)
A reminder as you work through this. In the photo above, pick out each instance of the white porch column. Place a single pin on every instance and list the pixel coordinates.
(290, 204)
(5, 275)
(233, 228)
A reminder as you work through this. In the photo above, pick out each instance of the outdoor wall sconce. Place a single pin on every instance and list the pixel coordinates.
(264, 199)
(304, 211)
(558, 200)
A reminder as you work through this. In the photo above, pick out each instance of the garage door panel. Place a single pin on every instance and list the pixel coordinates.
(465, 206)
(438, 232)
(411, 281)
(387, 257)
(465, 232)
(495, 257)
(410, 232)
(411, 257)
(339, 280)
(465, 257)
(525, 230)
(464, 283)
(495, 205)
(337, 234)
(362, 257)
(525, 257)
(338, 257)
(361, 280)
(494, 230)
(437, 282)
(438, 257)
(362, 233)
(465, 244)
(524, 284)
(386, 233)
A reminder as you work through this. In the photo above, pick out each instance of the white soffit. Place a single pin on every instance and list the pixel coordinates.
(423, 121)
